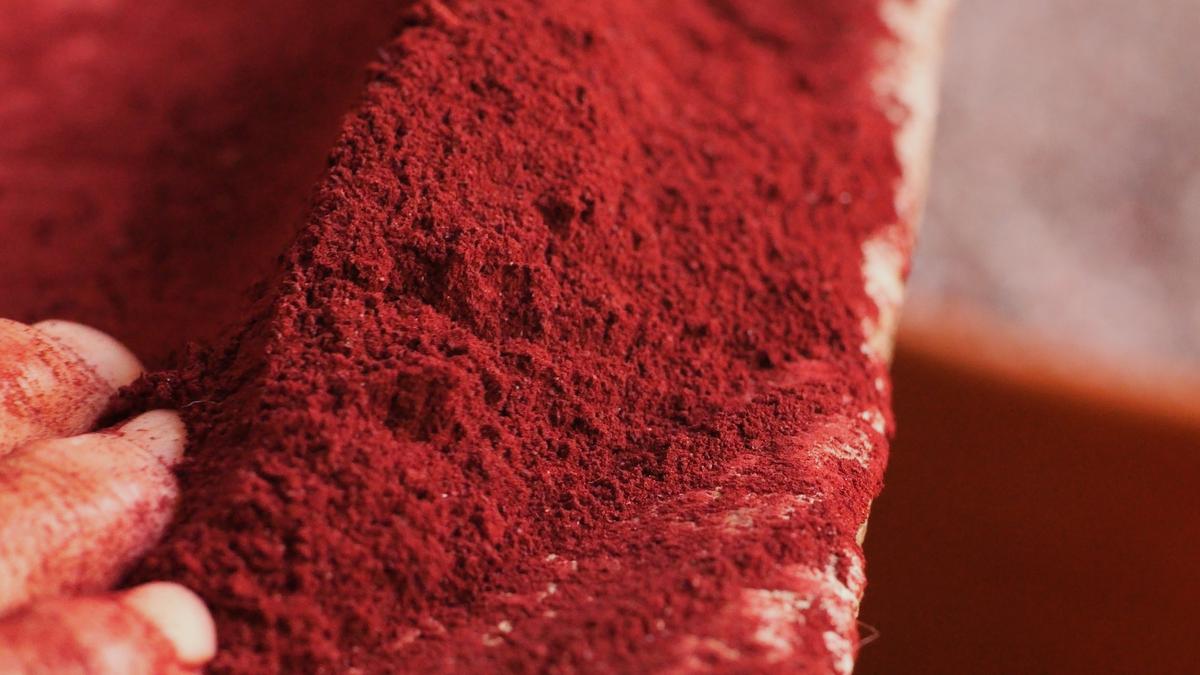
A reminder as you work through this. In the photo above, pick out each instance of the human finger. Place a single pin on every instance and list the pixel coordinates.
(56, 377)
(153, 629)
(74, 512)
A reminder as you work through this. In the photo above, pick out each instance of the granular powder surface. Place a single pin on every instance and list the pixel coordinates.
(565, 369)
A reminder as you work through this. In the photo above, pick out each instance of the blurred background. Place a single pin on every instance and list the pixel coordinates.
(1040, 512)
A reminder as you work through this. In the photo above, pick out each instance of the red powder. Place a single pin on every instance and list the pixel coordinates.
(576, 268)
(534, 388)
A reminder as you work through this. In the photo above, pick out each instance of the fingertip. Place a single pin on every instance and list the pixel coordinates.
(111, 360)
(76, 512)
(180, 616)
(162, 432)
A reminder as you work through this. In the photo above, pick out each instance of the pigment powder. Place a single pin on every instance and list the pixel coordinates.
(546, 378)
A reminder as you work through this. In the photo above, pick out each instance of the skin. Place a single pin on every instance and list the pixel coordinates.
(76, 508)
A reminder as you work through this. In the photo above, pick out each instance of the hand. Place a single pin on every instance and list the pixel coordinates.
(77, 510)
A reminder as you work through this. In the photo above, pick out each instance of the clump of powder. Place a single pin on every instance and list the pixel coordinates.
(580, 277)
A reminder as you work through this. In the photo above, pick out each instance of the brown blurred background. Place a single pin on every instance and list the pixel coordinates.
(1041, 508)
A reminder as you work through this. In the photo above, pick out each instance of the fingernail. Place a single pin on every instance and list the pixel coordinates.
(115, 364)
(181, 617)
(162, 432)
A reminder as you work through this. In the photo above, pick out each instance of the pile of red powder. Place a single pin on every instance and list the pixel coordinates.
(580, 276)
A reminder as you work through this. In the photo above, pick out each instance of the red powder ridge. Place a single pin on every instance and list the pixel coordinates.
(579, 282)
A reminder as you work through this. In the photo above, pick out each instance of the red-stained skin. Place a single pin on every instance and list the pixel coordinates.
(45, 389)
(62, 636)
(571, 264)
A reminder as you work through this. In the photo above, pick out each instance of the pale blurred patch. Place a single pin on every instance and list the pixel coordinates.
(1066, 178)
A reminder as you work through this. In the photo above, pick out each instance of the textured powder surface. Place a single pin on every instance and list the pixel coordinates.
(564, 369)
(546, 380)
